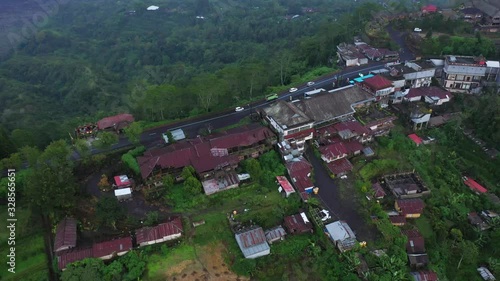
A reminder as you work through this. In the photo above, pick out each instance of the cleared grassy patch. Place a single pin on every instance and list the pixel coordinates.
(424, 225)
(157, 263)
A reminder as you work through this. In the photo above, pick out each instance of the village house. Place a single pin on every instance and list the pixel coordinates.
(378, 121)
(378, 191)
(342, 235)
(429, 9)
(431, 95)
(420, 117)
(65, 235)
(73, 255)
(300, 172)
(471, 14)
(463, 74)
(336, 105)
(253, 243)
(348, 131)
(213, 157)
(406, 185)
(298, 224)
(109, 249)
(122, 182)
(378, 86)
(397, 220)
(424, 275)
(349, 55)
(292, 125)
(275, 234)
(486, 274)
(284, 186)
(161, 233)
(123, 194)
(475, 220)
(410, 208)
(491, 14)
(415, 248)
(115, 123)
(474, 186)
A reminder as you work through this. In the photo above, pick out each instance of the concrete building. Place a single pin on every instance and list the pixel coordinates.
(290, 123)
(341, 234)
(123, 193)
(463, 74)
(349, 55)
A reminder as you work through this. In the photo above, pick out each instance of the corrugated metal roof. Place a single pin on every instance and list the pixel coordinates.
(340, 231)
(123, 191)
(252, 242)
(474, 185)
(114, 121)
(160, 231)
(285, 184)
(298, 223)
(65, 234)
(72, 256)
(113, 246)
(275, 233)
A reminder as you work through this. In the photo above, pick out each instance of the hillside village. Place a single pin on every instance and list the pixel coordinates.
(341, 126)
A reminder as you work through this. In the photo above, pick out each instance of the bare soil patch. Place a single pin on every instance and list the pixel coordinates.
(209, 266)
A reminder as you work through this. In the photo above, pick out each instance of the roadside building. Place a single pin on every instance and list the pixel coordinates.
(298, 224)
(122, 181)
(429, 9)
(349, 55)
(463, 74)
(491, 14)
(378, 86)
(300, 172)
(410, 208)
(340, 167)
(115, 123)
(161, 233)
(432, 95)
(342, 235)
(253, 243)
(65, 235)
(293, 126)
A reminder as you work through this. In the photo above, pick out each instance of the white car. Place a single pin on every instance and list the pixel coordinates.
(310, 83)
(293, 90)
(238, 109)
(324, 215)
(417, 29)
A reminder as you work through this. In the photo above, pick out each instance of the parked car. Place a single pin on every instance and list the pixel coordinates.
(293, 90)
(417, 29)
(324, 215)
(310, 83)
(239, 108)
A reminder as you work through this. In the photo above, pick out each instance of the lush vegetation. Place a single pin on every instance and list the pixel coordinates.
(94, 59)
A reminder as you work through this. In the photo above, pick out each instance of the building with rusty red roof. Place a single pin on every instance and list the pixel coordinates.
(333, 152)
(298, 224)
(116, 122)
(378, 191)
(65, 235)
(207, 154)
(378, 85)
(160, 233)
(474, 186)
(432, 95)
(429, 9)
(340, 167)
(300, 172)
(73, 255)
(109, 249)
(424, 275)
(253, 243)
(410, 208)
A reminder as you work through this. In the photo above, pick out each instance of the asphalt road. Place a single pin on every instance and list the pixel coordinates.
(399, 37)
(342, 204)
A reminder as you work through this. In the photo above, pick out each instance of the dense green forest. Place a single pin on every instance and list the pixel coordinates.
(96, 58)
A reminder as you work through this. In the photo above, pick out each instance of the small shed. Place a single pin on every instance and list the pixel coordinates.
(485, 273)
(275, 234)
(416, 139)
(368, 151)
(298, 223)
(284, 186)
(122, 181)
(123, 193)
(342, 235)
(253, 243)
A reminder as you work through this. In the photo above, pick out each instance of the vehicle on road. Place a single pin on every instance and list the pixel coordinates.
(324, 215)
(310, 83)
(271, 97)
(313, 92)
(293, 90)
(417, 29)
(239, 108)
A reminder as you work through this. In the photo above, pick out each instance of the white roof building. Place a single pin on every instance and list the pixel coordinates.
(153, 8)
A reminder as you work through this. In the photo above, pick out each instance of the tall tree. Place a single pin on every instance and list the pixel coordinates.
(109, 211)
(106, 140)
(6, 145)
(50, 183)
(133, 132)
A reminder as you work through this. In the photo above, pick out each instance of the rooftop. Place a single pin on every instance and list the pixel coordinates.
(424, 275)
(472, 184)
(286, 114)
(252, 241)
(110, 247)
(334, 104)
(465, 60)
(300, 171)
(416, 243)
(116, 121)
(72, 256)
(411, 206)
(275, 233)
(340, 166)
(416, 139)
(298, 223)
(147, 234)
(285, 184)
(65, 234)
(377, 82)
(431, 91)
(340, 231)
(378, 191)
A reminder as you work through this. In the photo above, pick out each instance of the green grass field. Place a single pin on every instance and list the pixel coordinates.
(31, 261)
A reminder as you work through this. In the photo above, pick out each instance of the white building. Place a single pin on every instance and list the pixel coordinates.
(463, 74)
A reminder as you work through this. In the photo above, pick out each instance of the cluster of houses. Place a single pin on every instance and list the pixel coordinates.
(254, 241)
(360, 52)
(67, 251)
(114, 123)
(485, 13)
